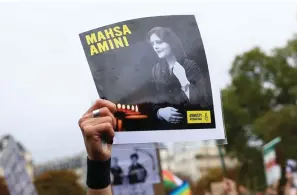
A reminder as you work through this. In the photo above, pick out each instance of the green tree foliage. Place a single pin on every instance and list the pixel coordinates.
(58, 183)
(53, 183)
(260, 104)
(282, 121)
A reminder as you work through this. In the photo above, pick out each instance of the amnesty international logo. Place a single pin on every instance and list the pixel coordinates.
(199, 116)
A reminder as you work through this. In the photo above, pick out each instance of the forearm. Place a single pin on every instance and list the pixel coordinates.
(105, 191)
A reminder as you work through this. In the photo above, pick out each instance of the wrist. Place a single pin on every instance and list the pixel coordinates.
(158, 113)
(98, 174)
(98, 158)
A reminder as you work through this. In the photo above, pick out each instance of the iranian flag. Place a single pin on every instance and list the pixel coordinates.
(270, 159)
(272, 169)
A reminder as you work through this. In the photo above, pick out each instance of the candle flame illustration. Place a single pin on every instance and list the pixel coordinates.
(120, 125)
(132, 108)
(119, 106)
(136, 108)
(123, 106)
(128, 107)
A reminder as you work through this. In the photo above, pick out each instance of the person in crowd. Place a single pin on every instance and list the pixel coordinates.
(116, 171)
(137, 173)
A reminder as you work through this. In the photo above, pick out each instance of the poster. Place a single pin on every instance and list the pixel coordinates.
(14, 167)
(156, 72)
(135, 189)
(134, 164)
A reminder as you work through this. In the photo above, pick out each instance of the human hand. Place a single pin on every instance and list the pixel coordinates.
(170, 115)
(98, 130)
(180, 73)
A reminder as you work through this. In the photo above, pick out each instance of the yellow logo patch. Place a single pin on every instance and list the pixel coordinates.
(199, 116)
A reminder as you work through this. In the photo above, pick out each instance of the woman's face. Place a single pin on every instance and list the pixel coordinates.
(162, 48)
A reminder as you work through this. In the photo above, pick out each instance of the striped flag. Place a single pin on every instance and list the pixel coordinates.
(184, 189)
(272, 169)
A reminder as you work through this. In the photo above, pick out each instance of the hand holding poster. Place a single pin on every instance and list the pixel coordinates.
(155, 70)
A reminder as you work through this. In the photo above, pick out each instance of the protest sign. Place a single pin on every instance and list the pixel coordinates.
(134, 164)
(135, 189)
(155, 70)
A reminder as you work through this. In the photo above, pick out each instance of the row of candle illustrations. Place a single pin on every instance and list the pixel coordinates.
(123, 107)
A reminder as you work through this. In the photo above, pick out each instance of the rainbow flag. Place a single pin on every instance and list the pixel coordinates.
(184, 189)
(170, 180)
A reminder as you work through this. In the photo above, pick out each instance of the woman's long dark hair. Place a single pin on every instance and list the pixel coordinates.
(168, 36)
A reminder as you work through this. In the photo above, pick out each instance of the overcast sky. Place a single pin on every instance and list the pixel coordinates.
(45, 80)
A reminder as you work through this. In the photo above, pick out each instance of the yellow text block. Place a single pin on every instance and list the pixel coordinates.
(199, 116)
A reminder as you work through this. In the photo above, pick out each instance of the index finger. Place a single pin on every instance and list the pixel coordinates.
(102, 103)
(174, 113)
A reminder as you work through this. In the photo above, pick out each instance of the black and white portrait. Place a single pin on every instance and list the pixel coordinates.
(178, 79)
(134, 164)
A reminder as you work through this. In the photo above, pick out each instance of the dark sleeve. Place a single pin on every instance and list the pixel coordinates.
(129, 170)
(112, 170)
(158, 102)
(145, 171)
(197, 83)
(155, 106)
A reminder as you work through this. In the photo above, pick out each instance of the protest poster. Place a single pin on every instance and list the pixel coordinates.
(156, 72)
(134, 189)
(14, 168)
(134, 164)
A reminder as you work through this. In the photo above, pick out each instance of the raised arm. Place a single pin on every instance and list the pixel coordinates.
(97, 126)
